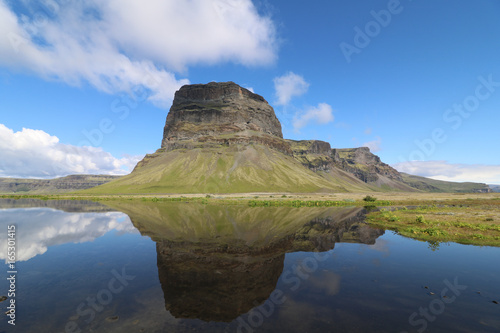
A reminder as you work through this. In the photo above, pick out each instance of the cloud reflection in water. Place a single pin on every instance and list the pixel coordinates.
(39, 228)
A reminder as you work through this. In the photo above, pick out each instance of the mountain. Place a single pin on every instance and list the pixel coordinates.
(57, 185)
(433, 185)
(495, 188)
(222, 138)
(358, 166)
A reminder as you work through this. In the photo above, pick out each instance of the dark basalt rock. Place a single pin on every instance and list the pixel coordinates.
(319, 156)
(364, 165)
(205, 111)
(304, 147)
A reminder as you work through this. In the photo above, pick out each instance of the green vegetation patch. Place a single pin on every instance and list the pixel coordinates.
(310, 203)
(477, 223)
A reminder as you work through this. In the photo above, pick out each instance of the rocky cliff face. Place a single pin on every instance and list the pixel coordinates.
(365, 165)
(313, 154)
(205, 112)
(319, 156)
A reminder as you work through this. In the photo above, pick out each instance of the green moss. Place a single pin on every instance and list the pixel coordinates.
(451, 223)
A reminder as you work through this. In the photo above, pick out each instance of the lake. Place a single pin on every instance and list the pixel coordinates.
(186, 267)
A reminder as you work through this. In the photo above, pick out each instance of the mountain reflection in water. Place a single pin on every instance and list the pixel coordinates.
(216, 263)
(209, 268)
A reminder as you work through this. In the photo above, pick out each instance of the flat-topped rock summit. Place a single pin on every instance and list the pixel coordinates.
(204, 112)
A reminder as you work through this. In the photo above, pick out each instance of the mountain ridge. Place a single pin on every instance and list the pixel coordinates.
(65, 184)
(494, 188)
(222, 138)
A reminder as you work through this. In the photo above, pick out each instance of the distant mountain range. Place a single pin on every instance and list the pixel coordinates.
(495, 188)
(433, 185)
(58, 185)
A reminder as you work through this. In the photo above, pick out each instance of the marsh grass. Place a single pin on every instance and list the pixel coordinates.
(477, 222)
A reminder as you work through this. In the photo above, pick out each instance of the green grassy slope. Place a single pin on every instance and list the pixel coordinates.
(432, 185)
(233, 169)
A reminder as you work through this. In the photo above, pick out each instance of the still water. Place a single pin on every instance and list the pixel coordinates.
(186, 267)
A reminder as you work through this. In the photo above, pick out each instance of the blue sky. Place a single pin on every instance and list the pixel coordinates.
(91, 82)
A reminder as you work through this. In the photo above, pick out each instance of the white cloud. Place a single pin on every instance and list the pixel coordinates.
(343, 125)
(116, 45)
(49, 227)
(322, 114)
(374, 145)
(289, 86)
(35, 153)
(442, 170)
